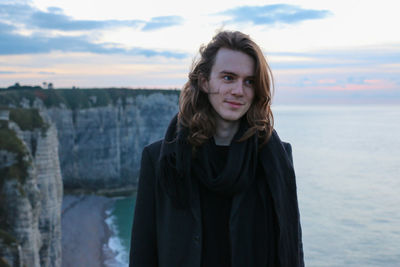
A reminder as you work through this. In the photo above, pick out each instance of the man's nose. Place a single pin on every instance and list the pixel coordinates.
(238, 88)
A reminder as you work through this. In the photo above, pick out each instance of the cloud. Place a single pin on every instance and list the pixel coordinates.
(368, 85)
(13, 43)
(7, 72)
(381, 53)
(152, 52)
(24, 72)
(162, 22)
(366, 74)
(4, 28)
(361, 57)
(47, 72)
(355, 80)
(272, 14)
(55, 9)
(15, 12)
(14, 17)
(55, 19)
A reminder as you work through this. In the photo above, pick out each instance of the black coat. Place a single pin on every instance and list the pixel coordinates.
(168, 237)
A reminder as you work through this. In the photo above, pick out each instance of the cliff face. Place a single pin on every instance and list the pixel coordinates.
(101, 132)
(50, 185)
(100, 147)
(79, 140)
(31, 195)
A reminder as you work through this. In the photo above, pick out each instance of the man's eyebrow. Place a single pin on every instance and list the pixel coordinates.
(234, 74)
(228, 72)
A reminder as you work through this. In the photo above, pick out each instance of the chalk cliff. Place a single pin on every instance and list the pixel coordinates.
(79, 140)
(30, 192)
(100, 147)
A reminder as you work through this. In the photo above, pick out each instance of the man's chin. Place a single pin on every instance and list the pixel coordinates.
(231, 118)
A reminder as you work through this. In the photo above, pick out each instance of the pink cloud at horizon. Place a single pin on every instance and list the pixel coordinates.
(367, 85)
(338, 84)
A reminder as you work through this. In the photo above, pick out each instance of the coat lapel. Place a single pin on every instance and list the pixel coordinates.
(281, 181)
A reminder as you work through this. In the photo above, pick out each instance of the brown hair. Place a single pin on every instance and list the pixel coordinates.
(195, 111)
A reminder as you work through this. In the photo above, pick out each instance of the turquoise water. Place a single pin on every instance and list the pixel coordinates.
(120, 219)
(347, 162)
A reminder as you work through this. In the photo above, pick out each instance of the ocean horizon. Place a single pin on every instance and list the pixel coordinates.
(347, 163)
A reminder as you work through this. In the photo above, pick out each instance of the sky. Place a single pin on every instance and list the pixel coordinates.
(320, 52)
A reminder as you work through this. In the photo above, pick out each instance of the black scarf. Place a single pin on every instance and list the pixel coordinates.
(177, 165)
(277, 189)
(239, 171)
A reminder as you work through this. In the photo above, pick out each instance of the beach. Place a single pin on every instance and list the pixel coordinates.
(84, 231)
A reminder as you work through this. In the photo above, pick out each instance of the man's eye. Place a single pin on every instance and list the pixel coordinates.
(228, 78)
(250, 82)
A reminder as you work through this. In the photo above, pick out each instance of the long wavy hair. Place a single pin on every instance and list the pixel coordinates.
(195, 111)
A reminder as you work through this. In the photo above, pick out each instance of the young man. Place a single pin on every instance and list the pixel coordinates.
(219, 189)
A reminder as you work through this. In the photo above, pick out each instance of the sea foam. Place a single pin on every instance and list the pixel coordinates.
(115, 251)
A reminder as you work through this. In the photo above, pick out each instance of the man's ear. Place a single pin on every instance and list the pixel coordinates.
(203, 83)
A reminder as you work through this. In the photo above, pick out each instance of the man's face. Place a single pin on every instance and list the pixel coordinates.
(231, 85)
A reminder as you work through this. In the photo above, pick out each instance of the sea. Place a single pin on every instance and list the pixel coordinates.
(347, 163)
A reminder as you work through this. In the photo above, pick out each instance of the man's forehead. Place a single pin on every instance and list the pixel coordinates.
(235, 62)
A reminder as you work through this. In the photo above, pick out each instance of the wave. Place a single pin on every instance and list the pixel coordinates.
(114, 250)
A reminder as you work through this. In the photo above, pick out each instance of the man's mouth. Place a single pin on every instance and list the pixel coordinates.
(234, 104)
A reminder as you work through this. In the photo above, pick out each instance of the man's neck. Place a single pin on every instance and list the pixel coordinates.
(225, 132)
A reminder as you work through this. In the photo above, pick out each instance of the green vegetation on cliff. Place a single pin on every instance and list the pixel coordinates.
(27, 119)
(75, 98)
(3, 263)
(10, 143)
(7, 240)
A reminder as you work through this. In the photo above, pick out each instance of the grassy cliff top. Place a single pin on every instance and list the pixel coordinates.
(75, 98)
